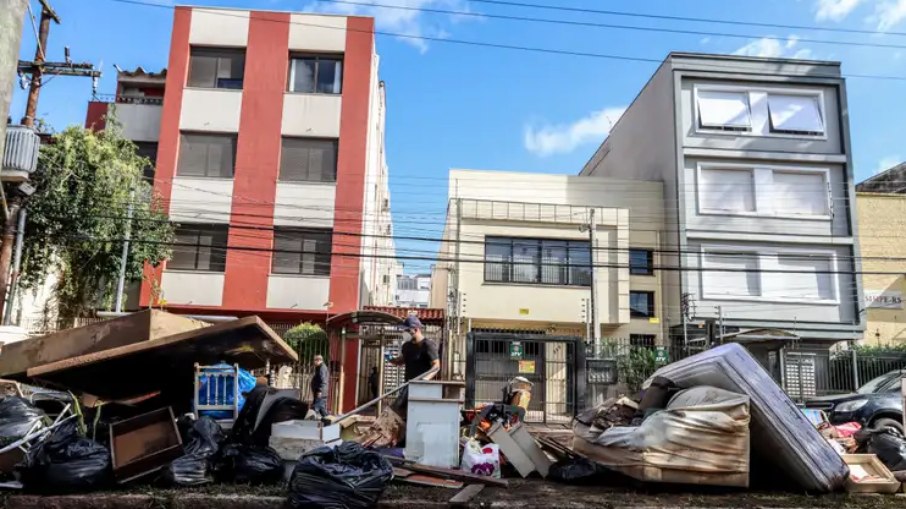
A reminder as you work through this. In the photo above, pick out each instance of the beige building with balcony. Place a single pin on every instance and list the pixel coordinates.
(517, 256)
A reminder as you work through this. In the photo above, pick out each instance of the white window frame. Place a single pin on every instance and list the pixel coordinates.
(730, 250)
(733, 129)
(763, 190)
(759, 114)
(761, 254)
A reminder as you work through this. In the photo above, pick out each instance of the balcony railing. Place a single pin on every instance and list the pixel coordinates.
(131, 99)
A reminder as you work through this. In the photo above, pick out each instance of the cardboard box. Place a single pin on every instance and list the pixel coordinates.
(144, 444)
(861, 465)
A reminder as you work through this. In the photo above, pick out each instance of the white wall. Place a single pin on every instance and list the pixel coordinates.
(219, 27)
(141, 122)
(309, 32)
(313, 115)
(305, 204)
(192, 288)
(297, 292)
(210, 110)
(201, 200)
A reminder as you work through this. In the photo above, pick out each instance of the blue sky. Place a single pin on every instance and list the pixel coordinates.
(459, 106)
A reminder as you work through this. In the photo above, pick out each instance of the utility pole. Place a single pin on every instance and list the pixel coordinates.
(36, 69)
(720, 324)
(11, 17)
(121, 282)
(593, 301)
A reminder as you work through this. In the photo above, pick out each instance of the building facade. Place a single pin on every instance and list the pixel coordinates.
(882, 219)
(267, 131)
(758, 195)
(413, 290)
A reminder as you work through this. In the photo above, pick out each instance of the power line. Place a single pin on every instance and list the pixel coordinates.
(551, 51)
(593, 24)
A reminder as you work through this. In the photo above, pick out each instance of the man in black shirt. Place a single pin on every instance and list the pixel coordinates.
(419, 354)
(319, 381)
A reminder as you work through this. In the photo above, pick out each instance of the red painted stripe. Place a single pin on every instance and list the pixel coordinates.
(168, 143)
(257, 160)
(96, 117)
(350, 194)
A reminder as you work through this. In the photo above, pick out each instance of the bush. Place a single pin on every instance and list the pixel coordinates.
(308, 339)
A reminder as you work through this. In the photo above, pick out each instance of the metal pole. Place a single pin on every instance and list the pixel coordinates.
(457, 292)
(720, 324)
(121, 282)
(17, 263)
(855, 370)
(595, 328)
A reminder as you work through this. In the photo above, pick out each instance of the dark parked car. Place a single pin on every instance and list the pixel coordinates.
(877, 403)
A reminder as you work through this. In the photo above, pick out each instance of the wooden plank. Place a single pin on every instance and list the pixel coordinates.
(451, 474)
(513, 452)
(430, 481)
(465, 496)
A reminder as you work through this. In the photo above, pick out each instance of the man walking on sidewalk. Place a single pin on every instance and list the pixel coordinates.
(319, 381)
(419, 354)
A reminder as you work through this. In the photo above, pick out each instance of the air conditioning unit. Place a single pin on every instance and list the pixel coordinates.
(20, 154)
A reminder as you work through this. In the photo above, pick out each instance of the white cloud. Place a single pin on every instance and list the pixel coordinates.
(410, 23)
(835, 10)
(889, 14)
(564, 138)
(773, 47)
(887, 163)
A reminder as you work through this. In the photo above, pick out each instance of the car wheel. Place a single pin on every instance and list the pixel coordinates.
(885, 422)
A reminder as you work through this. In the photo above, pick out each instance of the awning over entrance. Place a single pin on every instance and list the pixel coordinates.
(362, 317)
(761, 337)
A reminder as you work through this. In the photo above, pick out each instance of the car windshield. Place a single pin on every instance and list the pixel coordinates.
(882, 383)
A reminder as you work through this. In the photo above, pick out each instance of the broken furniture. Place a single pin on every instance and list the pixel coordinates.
(166, 365)
(701, 438)
(781, 433)
(144, 444)
(432, 422)
(217, 393)
(867, 474)
(15, 452)
(292, 439)
(520, 449)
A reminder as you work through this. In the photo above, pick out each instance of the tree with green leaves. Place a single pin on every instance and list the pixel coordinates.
(307, 339)
(77, 219)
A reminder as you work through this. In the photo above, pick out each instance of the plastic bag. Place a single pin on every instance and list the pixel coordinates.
(67, 463)
(347, 476)
(249, 465)
(573, 471)
(888, 444)
(202, 438)
(17, 418)
(481, 459)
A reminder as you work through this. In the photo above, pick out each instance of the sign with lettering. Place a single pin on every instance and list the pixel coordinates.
(527, 367)
(516, 351)
(883, 299)
(661, 355)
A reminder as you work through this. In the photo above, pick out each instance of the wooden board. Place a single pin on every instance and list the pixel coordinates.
(410, 477)
(465, 496)
(447, 473)
(17, 358)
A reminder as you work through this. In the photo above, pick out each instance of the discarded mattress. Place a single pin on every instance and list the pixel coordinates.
(702, 437)
(778, 428)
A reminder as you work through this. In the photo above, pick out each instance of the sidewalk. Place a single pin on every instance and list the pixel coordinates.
(522, 494)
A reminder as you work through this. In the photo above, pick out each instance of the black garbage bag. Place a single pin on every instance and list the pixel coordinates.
(67, 463)
(888, 444)
(348, 476)
(17, 418)
(246, 464)
(202, 439)
(573, 471)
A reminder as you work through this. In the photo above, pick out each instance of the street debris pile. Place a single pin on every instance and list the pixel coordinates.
(193, 414)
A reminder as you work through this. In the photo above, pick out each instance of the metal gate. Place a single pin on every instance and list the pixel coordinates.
(554, 364)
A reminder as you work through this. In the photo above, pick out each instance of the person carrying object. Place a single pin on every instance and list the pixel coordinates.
(419, 354)
(319, 380)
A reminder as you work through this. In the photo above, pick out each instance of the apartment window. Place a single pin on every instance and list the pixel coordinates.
(405, 283)
(724, 110)
(800, 193)
(809, 278)
(641, 304)
(308, 160)
(216, 68)
(200, 247)
(642, 340)
(537, 261)
(316, 74)
(148, 150)
(206, 155)
(303, 251)
(726, 189)
(641, 262)
(730, 273)
(795, 114)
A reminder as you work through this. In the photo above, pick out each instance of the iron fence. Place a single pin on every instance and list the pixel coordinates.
(809, 372)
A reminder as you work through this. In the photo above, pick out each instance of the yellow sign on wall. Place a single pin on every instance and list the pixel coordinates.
(527, 367)
(523, 311)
